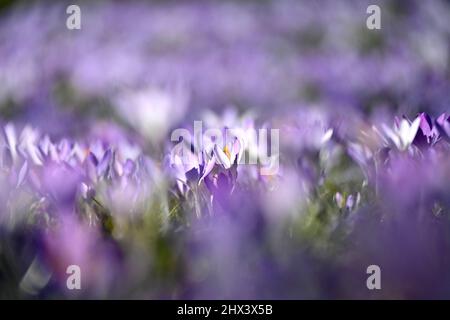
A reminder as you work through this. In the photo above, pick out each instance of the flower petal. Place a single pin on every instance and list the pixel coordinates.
(222, 157)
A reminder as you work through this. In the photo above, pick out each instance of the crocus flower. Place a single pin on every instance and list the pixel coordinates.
(185, 166)
(73, 242)
(442, 123)
(350, 202)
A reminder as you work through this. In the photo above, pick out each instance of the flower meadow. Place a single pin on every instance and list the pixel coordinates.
(339, 156)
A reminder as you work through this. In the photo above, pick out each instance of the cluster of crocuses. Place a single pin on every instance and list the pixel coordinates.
(93, 204)
(62, 195)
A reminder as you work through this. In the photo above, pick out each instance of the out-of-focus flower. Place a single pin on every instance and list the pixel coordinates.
(443, 123)
(73, 242)
(215, 166)
(185, 166)
(310, 129)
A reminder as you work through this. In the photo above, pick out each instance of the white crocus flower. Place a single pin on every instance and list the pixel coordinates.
(402, 136)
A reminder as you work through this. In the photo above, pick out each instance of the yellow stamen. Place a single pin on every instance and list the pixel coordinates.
(227, 152)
